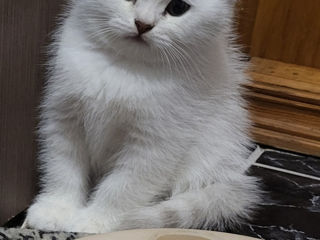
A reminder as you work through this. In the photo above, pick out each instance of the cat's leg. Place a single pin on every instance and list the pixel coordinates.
(64, 165)
(140, 175)
(212, 192)
(219, 206)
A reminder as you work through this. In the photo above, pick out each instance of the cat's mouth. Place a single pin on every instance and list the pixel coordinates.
(137, 39)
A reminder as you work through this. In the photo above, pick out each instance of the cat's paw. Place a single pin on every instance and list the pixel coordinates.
(91, 221)
(51, 214)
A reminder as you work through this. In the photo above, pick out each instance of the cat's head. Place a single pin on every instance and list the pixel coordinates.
(143, 28)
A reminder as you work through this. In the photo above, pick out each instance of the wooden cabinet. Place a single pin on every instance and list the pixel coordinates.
(283, 39)
(282, 30)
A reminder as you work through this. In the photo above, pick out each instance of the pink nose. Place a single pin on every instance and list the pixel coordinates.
(143, 27)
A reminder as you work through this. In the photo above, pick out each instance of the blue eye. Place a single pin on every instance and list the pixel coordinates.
(177, 8)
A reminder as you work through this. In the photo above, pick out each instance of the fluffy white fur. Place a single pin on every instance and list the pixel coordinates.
(144, 134)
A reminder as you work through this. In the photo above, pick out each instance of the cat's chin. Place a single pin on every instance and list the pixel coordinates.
(137, 40)
(137, 48)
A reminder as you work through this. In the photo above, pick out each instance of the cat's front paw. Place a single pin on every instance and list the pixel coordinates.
(51, 214)
(92, 221)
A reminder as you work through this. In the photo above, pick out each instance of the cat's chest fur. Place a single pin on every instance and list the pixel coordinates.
(111, 99)
(97, 78)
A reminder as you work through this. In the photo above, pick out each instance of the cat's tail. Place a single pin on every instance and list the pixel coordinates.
(218, 206)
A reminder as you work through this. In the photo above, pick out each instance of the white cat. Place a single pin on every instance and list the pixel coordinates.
(143, 123)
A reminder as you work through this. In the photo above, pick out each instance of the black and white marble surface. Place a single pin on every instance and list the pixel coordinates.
(291, 210)
(291, 161)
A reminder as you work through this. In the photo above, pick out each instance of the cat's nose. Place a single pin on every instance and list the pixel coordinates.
(143, 27)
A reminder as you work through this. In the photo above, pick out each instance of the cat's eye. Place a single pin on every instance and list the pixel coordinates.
(177, 8)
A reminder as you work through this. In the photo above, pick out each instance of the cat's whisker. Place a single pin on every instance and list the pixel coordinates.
(166, 57)
(191, 60)
(182, 57)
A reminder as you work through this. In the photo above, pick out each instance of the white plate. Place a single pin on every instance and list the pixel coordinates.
(167, 234)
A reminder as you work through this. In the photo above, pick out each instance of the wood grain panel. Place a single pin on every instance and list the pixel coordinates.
(288, 31)
(246, 11)
(24, 28)
(284, 104)
(286, 141)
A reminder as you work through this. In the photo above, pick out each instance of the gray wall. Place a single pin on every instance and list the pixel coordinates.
(24, 32)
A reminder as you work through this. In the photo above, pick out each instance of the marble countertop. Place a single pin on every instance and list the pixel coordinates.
(291, 210)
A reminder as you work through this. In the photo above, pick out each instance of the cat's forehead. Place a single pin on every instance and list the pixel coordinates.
(151, 3)
(205, 4)
(160, 4)
(165, 2)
